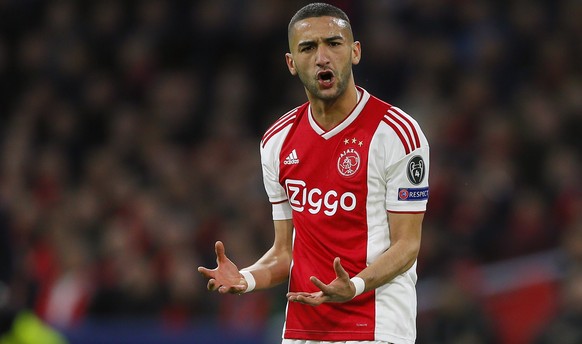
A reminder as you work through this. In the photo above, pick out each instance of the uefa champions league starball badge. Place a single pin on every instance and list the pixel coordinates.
(415, 171)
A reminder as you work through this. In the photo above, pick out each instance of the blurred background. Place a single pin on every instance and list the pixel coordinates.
(129, 134)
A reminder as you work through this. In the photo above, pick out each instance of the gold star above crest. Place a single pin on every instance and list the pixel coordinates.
(353, 140)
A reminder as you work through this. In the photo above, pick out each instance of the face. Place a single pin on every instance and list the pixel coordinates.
(322, 54)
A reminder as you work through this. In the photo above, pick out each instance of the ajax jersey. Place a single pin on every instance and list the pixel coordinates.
(337, 186)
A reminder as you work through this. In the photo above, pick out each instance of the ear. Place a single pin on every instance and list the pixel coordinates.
(356, 52)
(290, 63)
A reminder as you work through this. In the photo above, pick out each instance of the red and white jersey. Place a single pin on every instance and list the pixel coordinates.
(337, 185)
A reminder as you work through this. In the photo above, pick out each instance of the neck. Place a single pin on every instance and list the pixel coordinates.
(328, 113)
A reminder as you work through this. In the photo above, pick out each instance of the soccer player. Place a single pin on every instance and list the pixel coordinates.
(347, 176)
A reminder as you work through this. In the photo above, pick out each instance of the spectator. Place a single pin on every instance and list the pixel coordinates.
(565, 327)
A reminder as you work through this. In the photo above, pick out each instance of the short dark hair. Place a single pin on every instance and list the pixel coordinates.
(317, 9)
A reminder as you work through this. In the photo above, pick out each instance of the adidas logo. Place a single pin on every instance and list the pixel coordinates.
(292, 159)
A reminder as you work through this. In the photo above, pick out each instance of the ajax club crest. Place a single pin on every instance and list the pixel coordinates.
(348, 162)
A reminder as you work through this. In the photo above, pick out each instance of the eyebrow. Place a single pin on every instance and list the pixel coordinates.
(327, 39)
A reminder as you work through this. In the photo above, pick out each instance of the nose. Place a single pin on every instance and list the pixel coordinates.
(321, 56)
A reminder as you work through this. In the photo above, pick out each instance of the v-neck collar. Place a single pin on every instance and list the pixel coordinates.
(327, 134)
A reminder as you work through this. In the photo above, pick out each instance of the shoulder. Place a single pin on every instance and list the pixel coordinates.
(404, 128)
(397, 134)
(395, 130)
(282, 123)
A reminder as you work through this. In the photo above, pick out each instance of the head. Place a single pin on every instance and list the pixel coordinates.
(322, 50)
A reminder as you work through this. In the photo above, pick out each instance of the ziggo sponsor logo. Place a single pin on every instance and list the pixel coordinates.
(314, 200)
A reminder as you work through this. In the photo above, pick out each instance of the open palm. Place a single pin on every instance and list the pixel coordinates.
(341, 289)
(226, 277)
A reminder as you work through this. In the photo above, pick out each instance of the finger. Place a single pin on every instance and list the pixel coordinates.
(212, 285)
(235, 289)
(295, 294)
(206, 272)
(319, 284)
(302, 296)
(309, 300)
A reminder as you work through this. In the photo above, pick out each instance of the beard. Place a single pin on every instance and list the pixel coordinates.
(311, 84)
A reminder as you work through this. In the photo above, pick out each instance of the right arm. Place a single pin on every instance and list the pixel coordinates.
(271, 269)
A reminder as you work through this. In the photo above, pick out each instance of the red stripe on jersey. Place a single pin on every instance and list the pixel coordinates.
(398, 132)
(278, 126)
(279, 120)
(412, 127)
(396, 119)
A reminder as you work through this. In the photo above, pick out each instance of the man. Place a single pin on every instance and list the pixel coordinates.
(347, 175)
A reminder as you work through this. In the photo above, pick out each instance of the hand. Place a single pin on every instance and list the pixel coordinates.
(225, 278)
(341, 289)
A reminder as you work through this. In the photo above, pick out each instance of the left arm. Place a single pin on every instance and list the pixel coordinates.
(405, 234)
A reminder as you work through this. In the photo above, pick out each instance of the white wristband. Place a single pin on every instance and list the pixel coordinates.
(248, 276)
(359, 284)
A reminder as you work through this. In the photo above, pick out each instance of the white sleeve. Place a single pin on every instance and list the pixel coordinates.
(407, 182)
(406, 170)
(282, 211)
(270, 167)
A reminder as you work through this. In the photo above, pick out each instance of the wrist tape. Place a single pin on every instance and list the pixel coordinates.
(359, 284)
(248, 276)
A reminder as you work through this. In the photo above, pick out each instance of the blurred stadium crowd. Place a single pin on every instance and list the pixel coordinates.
(129, 138)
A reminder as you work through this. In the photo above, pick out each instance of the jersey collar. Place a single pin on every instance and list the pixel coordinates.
(363, 97)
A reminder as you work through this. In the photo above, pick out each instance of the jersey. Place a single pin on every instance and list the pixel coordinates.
(337, 187)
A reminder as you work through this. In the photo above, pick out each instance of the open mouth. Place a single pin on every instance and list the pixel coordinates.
(325, 78)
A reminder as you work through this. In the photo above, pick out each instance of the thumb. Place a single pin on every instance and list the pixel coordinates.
(220, 251)
(339, 269)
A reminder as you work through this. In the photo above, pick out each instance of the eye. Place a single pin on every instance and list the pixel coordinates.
(334, 44)
(306, 48)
